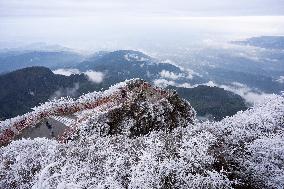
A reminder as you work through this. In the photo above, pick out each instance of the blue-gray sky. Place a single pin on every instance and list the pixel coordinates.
(100, 22)
(141, 8)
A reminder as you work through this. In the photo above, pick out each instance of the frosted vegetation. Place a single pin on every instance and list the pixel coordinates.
(243, 151)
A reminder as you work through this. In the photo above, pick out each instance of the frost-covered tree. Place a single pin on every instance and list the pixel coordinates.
(151, 140)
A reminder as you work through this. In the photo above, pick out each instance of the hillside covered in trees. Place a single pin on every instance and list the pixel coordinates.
(26, 88)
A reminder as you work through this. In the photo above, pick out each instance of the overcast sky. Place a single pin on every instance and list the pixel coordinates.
(141, 7)
(100, 22)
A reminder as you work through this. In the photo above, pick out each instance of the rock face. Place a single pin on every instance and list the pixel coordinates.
(143, 109)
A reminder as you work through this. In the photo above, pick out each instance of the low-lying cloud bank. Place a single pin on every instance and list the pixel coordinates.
(93, 76)
(164, 83)
(96, 77)
(280, 79)
(170, 75)
(251, 96)
(69, 91)
(66, 72)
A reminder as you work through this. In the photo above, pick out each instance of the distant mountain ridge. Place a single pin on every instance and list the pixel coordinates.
(10, 61)
(38, 46)
(126, 64)
(23, 89)
(269, 42)
(31, 86)
(259, 71)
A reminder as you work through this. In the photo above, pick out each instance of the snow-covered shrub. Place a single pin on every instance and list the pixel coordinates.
(238, 146)
(264, 162)
(23, 159)
(243, 151)
(178, 159)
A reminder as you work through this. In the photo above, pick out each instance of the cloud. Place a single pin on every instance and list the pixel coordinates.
(69, 91)
(251, 96)
(163, 83)
(108, 33)
(170, 75)
(66, 72)
(93, 76)
(185, 85)
(147, 8)
(190, 73)
(210, 84)
(96, 77)
(168, 61)
(135, 57)
(280, 79)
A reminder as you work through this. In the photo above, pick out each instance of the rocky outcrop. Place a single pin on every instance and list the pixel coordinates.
(143, 109)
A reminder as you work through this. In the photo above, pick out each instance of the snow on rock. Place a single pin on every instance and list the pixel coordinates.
(143, 109)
